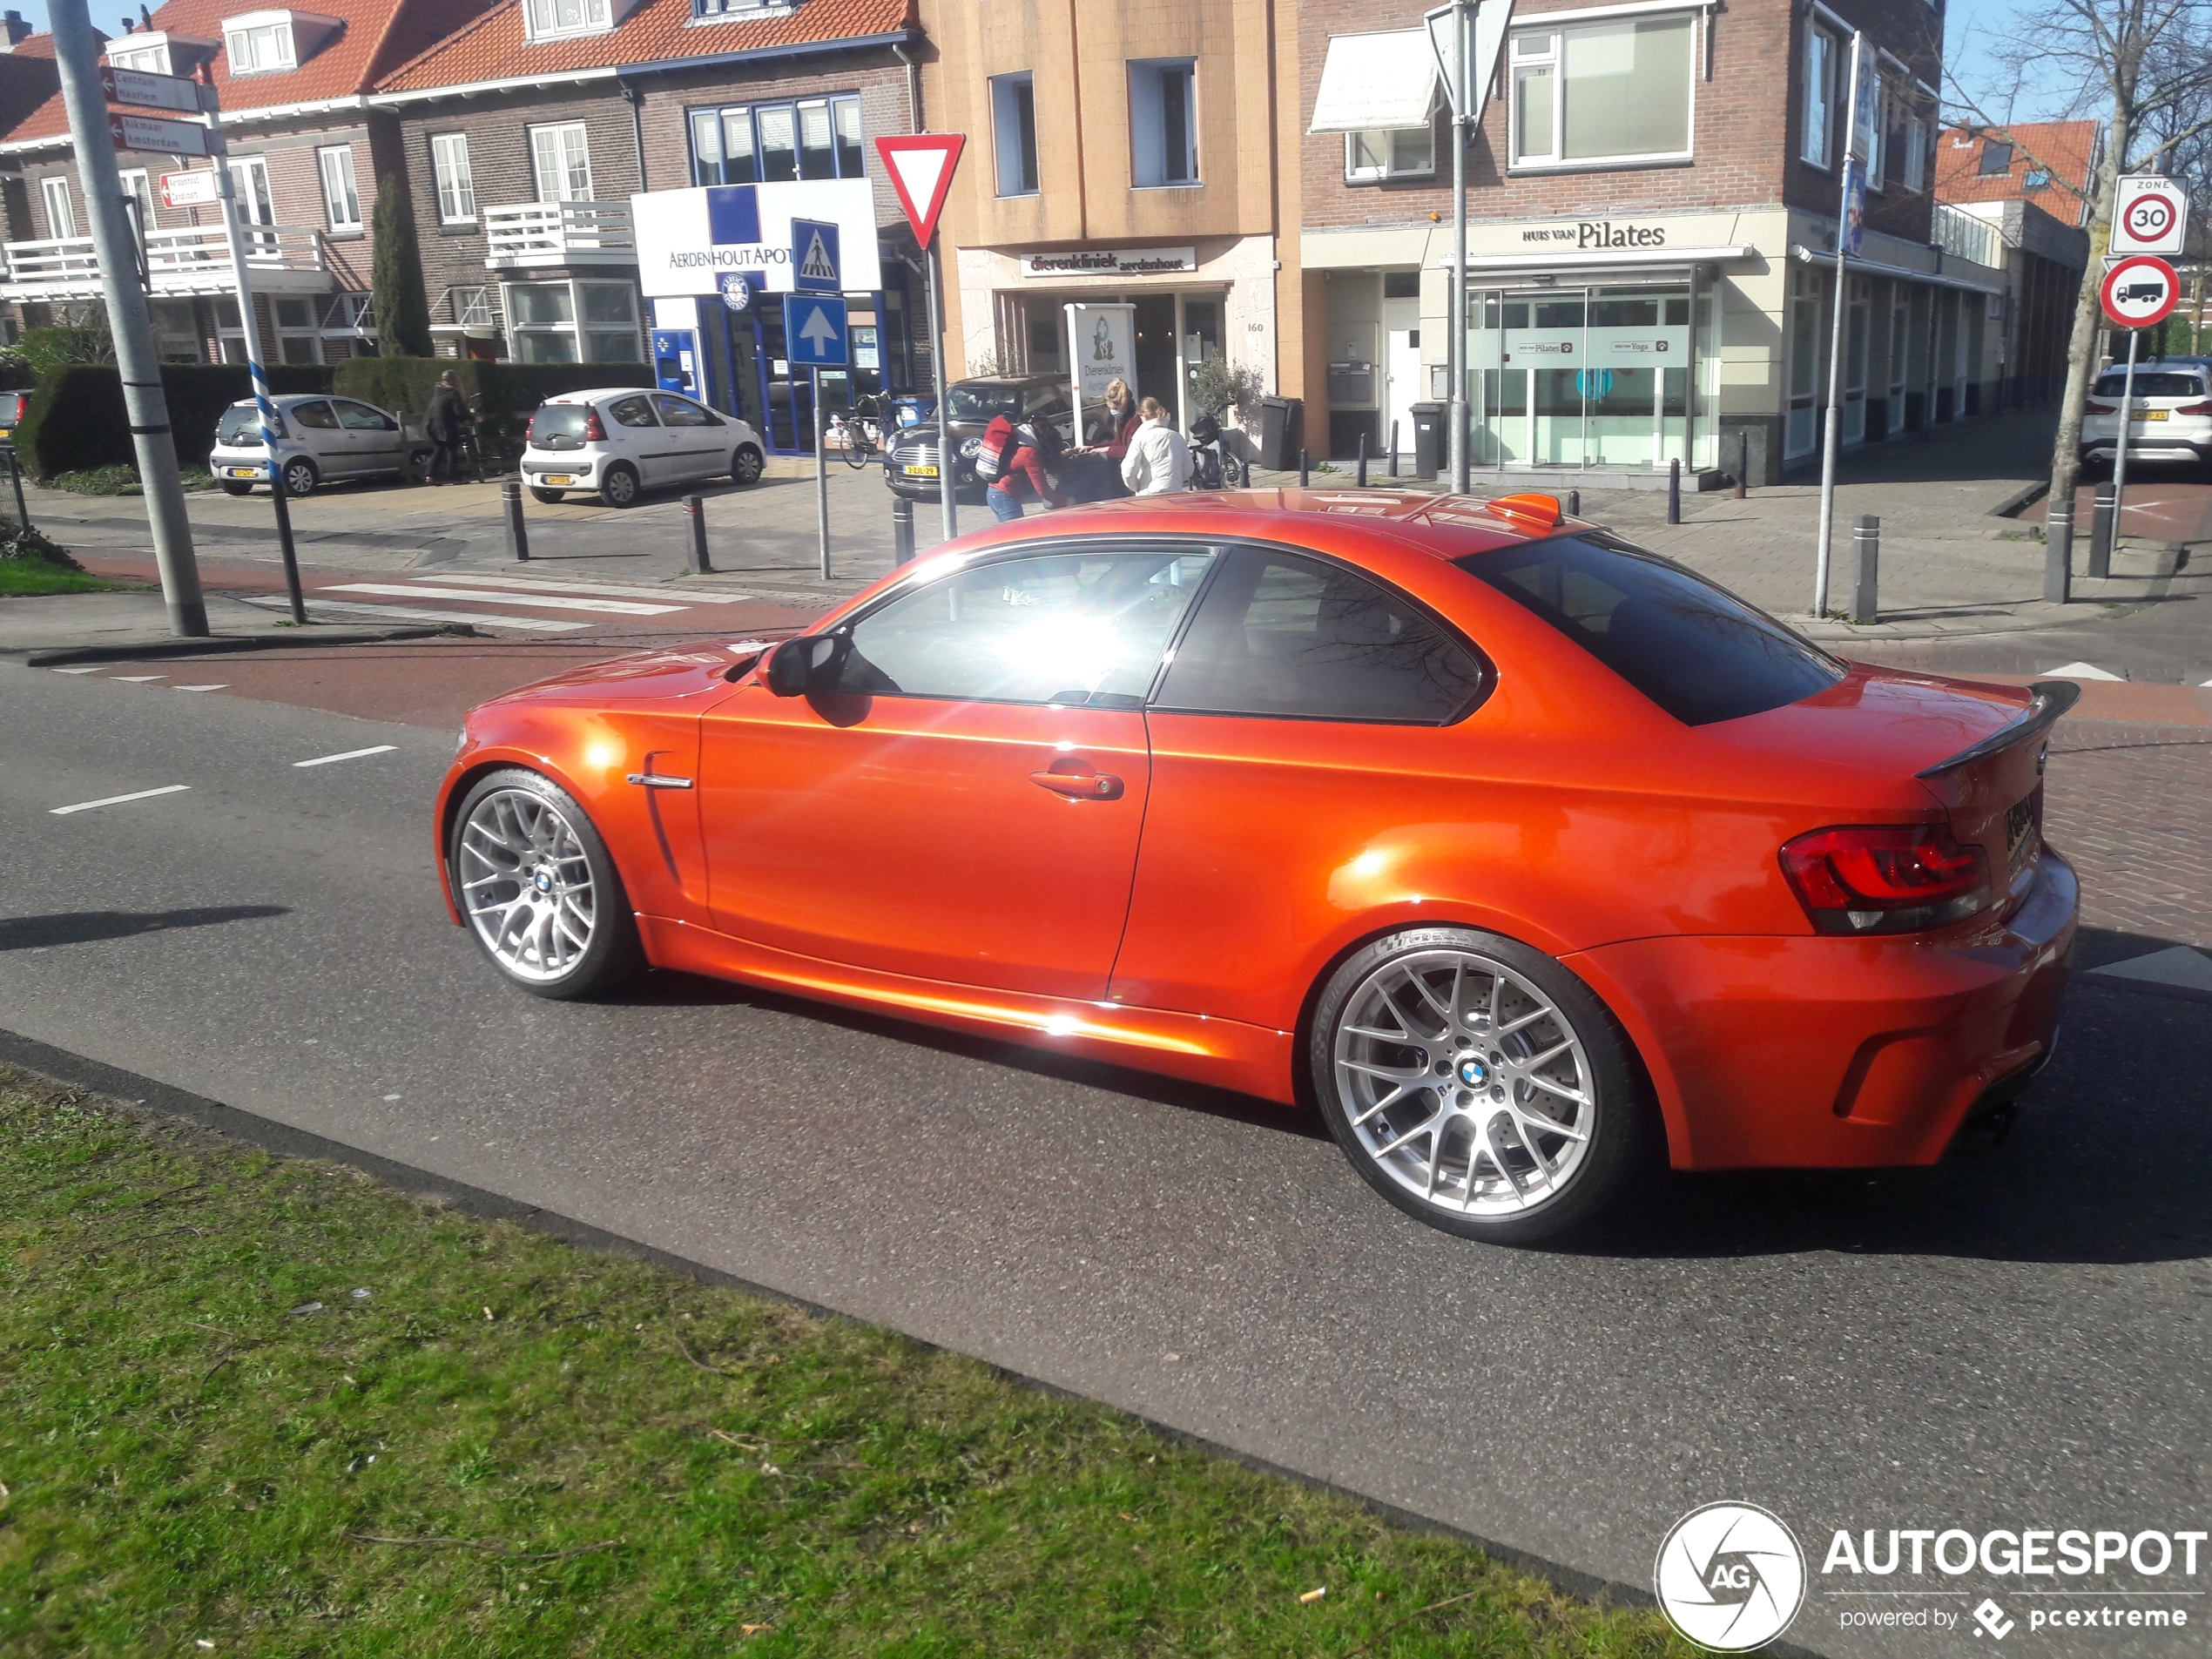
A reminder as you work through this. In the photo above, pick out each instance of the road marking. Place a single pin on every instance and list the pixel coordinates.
(606, 607)
(350, 754)
(224, 687)
(2082, 672)
(93, 669)
(139, 679)
(523, 584)
(118, 800)
(405, 613)
(2177, 965)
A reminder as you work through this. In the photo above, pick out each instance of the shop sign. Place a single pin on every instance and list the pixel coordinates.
(688, 239)
(1599, 233)
(1102, 344)
(1111, 262)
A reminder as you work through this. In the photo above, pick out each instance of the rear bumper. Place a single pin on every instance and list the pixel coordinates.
(1821, 1052)
(581, 467)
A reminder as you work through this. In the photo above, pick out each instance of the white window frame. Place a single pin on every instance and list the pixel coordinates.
(451, 175)
(1386, 140)
(1823, 72)
(542, 19)
(137, 182)
(1151, 104)
(276, 28)
(150, 60)
(342, 197)
(476, 313)
(551, 141)
(578, 328)
(61, 208)
(1550, 59)
(1006, 136)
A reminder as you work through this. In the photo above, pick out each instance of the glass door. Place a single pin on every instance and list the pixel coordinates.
(1581, 377)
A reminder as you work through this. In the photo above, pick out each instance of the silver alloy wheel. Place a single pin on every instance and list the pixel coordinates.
(526, 885)
(1464, 1082)
(300, 477)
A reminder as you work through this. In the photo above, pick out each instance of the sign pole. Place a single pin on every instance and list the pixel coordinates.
(2120, 450)
(821, 477)
(945, 469)
(1456, 347)
(139, 365)
(1832, 429)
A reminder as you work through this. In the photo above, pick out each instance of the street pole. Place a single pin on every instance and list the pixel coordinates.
(146, 406)
(234, 239)
(944, 468)
(2120, 448)
(821, 477)
(1456, 348)
(1832, 428)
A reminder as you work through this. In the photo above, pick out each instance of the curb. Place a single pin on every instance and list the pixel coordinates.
(58, 656)
(2026, 495)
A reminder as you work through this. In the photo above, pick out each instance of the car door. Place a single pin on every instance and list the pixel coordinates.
(373, 437)
(636, 434)
(1303, 744)
(316, 424)
(966, 805)
(697, 437)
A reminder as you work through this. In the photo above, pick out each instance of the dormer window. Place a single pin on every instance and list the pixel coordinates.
(151, 60)
(264, 43)
(558, 19)
(156, 51)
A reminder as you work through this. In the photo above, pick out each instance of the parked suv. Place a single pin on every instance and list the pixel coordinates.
(318, 439)
(2170, 419)
(622, 440)
(910, 453)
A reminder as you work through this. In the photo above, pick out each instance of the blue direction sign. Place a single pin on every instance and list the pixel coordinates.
(814, 334)
(815, 263)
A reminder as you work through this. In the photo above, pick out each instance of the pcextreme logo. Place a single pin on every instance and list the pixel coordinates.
(1730, 1576)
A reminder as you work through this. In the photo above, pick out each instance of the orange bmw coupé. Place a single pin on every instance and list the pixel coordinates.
(1528, 858)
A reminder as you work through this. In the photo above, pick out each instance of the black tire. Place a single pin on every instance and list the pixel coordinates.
(745, 465)
(1234, 473)
(618, 485)
(1620, 1122)
(548, 496)
(300, 476)
(232, 487)
(613, 954)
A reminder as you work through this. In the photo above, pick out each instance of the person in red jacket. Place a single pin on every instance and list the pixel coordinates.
(1024, 474)
(1094, 472)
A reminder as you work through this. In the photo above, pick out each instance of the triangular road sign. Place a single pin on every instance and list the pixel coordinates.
(920, 167)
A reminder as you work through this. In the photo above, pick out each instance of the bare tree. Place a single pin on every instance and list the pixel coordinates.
(2145, 68)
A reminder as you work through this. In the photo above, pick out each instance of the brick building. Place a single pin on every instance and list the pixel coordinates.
(560, 154)
(305, 152)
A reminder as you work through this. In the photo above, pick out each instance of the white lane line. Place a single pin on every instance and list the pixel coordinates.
(350, 754)
(407, 613)
(2082, 672)
(118, 800)
(523, 584)
(225, 686)
(139, 679)
(91, 669)
(605, 607)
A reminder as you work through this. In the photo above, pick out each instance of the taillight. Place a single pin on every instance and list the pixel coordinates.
(1885, 878)
(2101, 408)
(593, 432)
(2195, 409)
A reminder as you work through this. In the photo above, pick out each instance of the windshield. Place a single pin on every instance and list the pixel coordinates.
(2167, 385)
(983, 403)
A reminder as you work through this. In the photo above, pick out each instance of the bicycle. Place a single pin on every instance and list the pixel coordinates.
(859, 438)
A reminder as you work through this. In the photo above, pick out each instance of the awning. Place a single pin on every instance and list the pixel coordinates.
(1374, 81)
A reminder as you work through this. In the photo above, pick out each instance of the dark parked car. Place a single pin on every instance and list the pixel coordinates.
(910, 465)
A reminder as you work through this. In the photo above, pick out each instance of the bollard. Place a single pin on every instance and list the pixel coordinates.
(1866, 567)
(1743, 462)
(902, 530)
(694, 509)
(1362, 474)
(1305, 467)
(285, 548)
(1393, 449)
(1674, 492)
(15, 477)
(2058, 553)
(518, 538)
(1573, 503)
(2100, 532)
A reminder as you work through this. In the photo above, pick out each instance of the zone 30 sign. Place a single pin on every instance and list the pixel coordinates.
(2150, 214)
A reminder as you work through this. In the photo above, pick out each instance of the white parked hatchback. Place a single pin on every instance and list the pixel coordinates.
(623, 441)
(2169, 419)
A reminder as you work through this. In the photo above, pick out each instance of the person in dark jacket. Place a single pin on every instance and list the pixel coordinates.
(443, 423)
(1025, 474)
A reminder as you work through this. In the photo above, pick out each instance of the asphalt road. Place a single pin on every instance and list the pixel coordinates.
(2017, 1339)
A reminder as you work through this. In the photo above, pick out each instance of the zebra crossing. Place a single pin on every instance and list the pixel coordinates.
(511, 602)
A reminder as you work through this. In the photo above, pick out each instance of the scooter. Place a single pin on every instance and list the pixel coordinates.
(1214, 465)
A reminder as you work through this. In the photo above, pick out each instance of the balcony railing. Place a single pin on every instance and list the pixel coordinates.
(525, 235)
(195, 258)
(1968, 236)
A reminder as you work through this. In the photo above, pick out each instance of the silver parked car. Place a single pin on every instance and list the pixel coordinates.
(2169, 419)
(621, 441)
(318, 439)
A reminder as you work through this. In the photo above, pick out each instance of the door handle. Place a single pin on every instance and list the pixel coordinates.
(1080, 785)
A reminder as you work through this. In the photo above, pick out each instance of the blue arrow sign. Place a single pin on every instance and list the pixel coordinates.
(814, 334)
(816, 265)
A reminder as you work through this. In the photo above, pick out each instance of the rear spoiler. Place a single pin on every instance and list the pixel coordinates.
(2047, 700)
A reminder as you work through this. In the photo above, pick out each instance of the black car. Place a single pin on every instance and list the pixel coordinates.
(910, 465)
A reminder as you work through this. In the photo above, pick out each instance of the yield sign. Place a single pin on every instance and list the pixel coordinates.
(921, 171)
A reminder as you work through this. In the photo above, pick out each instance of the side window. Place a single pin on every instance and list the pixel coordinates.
(1071, 628)
(360, 417)
(680, 411)
(1289, 637)
(314, 414)
(633, 411)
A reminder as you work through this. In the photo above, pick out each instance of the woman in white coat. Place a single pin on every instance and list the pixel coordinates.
(1158, 462)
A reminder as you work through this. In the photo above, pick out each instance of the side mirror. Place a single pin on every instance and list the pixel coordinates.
(811, 663)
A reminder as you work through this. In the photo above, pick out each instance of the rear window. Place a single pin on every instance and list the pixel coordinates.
(983, 404)
(241, 423)
(1695, 650)
(558, 420)
(2167, 384)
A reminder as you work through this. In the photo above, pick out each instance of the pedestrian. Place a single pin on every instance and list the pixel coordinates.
(1158, 462)
(1026, 472)
(442, 424)
(1096, 470)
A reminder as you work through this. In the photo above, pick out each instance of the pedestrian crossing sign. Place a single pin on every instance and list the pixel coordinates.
(815, 267)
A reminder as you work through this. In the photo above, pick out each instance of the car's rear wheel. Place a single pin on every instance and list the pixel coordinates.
(232, 487)
(619, 487)
(539, 890)
(1478, 1085)
(300, 476)
(548, 496)
(745, 465)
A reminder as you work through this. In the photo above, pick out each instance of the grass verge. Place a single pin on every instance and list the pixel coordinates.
(266, 1406)
(120, 479)
(27, 578)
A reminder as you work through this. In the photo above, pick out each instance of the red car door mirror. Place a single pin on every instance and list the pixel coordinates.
(811, 663)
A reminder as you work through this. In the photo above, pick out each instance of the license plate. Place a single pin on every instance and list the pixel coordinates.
(2148, 414)
(920, 472)
(2021, 839)
(560, 478)
(244, 472)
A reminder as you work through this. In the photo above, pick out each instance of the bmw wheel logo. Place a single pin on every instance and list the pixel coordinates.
(1730, 1576)
(1472, 1072)
(544, 883)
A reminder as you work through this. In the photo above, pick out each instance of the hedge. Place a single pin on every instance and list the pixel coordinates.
(76, 419)
(504, 395)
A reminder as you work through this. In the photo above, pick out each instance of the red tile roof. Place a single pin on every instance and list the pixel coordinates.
(37, 46)
(493, 49)
(2065, 148)
(374, 37)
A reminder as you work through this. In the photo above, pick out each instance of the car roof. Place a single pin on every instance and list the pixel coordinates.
(285, 399)
(596, 393)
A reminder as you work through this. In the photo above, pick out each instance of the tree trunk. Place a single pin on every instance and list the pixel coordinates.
(2080, 367)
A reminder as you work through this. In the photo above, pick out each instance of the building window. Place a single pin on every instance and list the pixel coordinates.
(340, 198)
(1163, 122)
(751, 144)
(258, 48)
(1394, 153)
(2036, 179)
(1013, 132)
(1823, 65)
(297, 333)
(456, 188)
(61, 216)
(1605, 91)
(349, 328)
(1919, 140)
(709, 11)
(550, 19)
(138, 187)
(152, 60)
(472, 307)
(1996, 160)
(561, 157)
(568, 322)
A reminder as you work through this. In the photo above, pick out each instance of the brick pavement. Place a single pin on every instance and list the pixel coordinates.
(2129, 806)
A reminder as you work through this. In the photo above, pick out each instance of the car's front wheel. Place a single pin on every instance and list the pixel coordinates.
(1479, 1085)
(745, 465)
(535, 885)
(619, 487)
